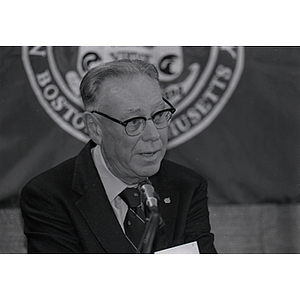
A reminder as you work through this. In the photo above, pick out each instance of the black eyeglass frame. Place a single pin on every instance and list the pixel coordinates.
(172, 109)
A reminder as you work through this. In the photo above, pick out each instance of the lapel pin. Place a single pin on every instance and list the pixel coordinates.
(167, 200)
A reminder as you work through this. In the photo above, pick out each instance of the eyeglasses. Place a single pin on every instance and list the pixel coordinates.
(135, 126)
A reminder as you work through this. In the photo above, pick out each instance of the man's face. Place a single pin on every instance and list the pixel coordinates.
(132, 158)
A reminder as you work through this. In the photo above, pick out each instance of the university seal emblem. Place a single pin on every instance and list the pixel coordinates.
(198, 81)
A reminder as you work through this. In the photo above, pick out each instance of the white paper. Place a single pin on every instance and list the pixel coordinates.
(190, 248)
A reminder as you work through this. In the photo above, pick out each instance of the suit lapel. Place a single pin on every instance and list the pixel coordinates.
(168, 206)
(97, 211)
(95, 207)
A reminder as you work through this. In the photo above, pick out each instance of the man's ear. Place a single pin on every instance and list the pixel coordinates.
(93, 127)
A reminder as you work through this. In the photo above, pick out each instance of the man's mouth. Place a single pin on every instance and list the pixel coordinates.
(148, 154)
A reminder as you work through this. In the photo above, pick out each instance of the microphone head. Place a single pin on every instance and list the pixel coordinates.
(148, 194)
(150, 198)
(145, 187)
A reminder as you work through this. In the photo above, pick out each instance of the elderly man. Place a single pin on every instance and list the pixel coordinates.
(83, 205)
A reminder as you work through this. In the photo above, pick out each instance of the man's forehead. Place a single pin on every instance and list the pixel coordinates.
(153, 105)
(131, 91)
(118, 84)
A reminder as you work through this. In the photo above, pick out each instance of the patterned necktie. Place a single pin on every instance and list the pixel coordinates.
(134, 222)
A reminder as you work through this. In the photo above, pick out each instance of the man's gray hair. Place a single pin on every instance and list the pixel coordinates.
(91, 83)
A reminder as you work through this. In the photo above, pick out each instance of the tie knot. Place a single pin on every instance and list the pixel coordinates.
(131, 197)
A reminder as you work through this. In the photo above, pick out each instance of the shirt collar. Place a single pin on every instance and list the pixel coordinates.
(113, 186)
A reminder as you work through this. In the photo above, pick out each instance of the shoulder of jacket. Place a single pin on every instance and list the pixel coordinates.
(58, 173)
(62, 171)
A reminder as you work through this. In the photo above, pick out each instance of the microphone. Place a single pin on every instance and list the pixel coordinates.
(148, 194)
(149, 198)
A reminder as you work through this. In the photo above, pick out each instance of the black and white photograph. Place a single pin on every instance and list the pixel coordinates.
(145, 146)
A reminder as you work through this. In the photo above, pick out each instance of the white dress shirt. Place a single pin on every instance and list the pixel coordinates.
(113, 186)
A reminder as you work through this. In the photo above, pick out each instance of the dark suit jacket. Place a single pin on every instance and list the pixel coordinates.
(66, 210)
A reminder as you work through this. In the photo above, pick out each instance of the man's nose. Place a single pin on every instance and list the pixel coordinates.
(150, 131)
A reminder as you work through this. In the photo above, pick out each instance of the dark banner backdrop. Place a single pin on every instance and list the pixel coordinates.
(237, 119)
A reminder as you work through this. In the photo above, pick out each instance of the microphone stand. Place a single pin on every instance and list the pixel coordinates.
(146, 243)
(149, 202)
